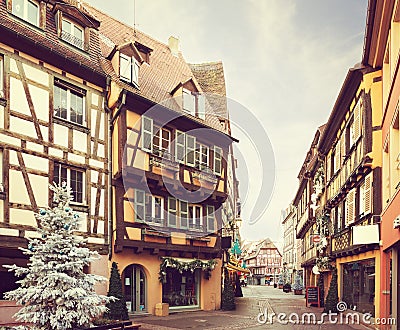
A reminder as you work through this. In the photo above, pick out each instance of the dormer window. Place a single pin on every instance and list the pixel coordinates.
(129, 69)
(193, 103)
(72, 33)
(27, 10)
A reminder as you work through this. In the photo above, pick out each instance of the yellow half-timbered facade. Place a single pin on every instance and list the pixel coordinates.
(53, 126)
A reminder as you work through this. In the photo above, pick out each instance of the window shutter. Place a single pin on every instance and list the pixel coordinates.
(147, 134)
(368, 193)
(328, 166)
(337, 157)
(184, 212)
(201, 106)
(210, 218)
(190, 150)
(217, 160)
(139, 205)
(136, 67)
(357, 120)
(342, 146)
(350, 212)
(180, 143)
(171, 212)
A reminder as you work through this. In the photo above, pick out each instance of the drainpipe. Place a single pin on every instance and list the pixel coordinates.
(110, 162)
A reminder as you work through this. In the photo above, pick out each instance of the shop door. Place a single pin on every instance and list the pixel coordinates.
(135, 288)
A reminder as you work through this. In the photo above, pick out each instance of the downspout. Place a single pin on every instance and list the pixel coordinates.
(111, 121)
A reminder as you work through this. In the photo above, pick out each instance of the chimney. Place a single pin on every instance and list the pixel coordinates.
(173, 44)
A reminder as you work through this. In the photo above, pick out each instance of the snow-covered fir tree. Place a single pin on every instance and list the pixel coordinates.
(54, 291)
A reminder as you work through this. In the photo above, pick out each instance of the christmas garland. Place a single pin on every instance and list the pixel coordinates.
(182, 266)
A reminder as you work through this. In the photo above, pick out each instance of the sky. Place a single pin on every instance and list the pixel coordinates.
(284, 62)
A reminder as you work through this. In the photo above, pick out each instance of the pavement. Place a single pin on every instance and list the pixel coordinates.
(251, 309)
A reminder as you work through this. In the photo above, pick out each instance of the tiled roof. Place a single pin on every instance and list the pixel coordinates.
(49, 39)
(212, 81)
(158, 78)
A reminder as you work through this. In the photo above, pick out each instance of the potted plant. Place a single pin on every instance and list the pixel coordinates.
(287, 288)
(298, 285)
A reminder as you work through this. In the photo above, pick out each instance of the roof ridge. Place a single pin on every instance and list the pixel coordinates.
(125, 24)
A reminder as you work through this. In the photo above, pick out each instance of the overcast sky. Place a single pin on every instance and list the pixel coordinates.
(284, 60)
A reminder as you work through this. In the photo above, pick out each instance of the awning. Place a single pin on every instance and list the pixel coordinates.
(229, 266)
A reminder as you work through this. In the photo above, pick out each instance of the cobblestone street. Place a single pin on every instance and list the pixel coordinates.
(245, 315)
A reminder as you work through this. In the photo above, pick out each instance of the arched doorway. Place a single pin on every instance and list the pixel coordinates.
(134, 280)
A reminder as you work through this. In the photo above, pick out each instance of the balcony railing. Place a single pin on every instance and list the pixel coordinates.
(205, 173)
(196, 226)
(68, 37)
(163, 160)
(347, 168)
(154, 221)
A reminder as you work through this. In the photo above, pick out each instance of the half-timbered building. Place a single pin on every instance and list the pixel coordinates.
(381, 51)
(306, 211)
(53, 125)
(169, 151)
(350, 148)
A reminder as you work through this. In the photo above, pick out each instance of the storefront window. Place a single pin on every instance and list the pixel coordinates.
(181, 289)
(359, 291)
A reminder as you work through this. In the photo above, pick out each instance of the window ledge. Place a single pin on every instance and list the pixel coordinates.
(71, 124)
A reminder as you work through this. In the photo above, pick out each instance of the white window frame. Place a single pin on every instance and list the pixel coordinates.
(139, 201)
(68, 105)
(172, 212)
(201, 106)
(154, 204)
(158, 132)
(184, 211)
(361, 199)
(24, 14)
(200, 148)
(188, 102)
(68, 182)
(147, 133)
(180, 146)
(190, 150)
(132, 68)
(193, 225)
(210, 209)
(70, 36)
(1, 77)
(217, 151)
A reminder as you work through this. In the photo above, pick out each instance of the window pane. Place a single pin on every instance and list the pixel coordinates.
(184, 214)
(33, 13)
(1, 78)
(78, 32)
(135, 77)
(60, 102)
(125, 71)
(18, 8)
(76, 108)
(66, 26)
(189, 102)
